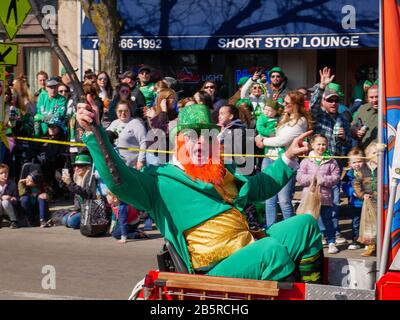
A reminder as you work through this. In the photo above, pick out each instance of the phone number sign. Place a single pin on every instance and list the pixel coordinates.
(127, 43)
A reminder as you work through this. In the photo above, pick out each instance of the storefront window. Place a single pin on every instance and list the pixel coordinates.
(37, 59)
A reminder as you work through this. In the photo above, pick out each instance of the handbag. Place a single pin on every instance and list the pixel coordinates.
(311, 202)
(94, 215)
(368, 223)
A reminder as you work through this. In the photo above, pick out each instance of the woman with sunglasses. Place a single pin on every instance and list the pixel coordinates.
(123, 92)
(210, 87)
(294, 122)
(81, 186)
(255, 92)
(104, 83)
(131, 134)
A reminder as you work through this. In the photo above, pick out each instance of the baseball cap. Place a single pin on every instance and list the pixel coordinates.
(330, 93)
(145, 67)
(333, 89)
(127, 74)
(53, 81)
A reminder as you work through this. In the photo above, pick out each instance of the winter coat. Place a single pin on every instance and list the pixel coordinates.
(366, 182)
(328, 173)
(83, 190)
(348, 177)
(10, 189)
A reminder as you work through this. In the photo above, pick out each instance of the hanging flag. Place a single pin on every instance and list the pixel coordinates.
(390, 81)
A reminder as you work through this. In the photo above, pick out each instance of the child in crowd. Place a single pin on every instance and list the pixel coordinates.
(365, 185)
(327, 173)
(125, 220)
(34, 198)
(356, 162)
(9, 195)
(266, 124)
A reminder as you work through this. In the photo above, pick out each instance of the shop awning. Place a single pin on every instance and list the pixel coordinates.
(243, 24)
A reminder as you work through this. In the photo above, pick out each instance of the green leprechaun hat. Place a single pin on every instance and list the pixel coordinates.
(195, 117)
(83, 159)
(276, 69)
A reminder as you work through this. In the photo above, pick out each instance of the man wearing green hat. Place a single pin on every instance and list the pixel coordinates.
(277, 88)
(197, 203)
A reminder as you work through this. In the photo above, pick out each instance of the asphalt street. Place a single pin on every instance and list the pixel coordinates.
(85, 268)
(60, 263)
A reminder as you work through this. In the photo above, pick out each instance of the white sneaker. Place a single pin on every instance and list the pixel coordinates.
(324, 242)
(354, 246)
(332, 249)
(340, 240)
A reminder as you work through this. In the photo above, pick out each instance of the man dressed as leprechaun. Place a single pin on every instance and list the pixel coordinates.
(197, 203)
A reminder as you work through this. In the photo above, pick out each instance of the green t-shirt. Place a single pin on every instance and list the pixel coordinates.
(47, 109)
(149, 93)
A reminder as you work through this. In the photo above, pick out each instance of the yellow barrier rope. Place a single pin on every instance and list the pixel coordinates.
(79, 144)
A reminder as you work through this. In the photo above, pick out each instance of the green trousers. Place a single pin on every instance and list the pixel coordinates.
(276, 256)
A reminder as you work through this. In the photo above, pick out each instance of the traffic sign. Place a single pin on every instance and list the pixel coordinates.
(13, 14)
(8, 54)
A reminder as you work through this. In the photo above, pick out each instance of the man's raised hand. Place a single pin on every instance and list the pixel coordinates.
(325, 77)
(87, 114)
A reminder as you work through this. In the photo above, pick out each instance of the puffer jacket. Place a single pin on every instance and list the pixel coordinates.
(327, 172)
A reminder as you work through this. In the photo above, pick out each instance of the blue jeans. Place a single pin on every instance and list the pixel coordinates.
(355, 213)
(326, 224)
(31, 204)
(72, 220)
(131, 231)
(336, 207)
(284, 196)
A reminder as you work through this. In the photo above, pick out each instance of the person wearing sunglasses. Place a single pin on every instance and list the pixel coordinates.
(81, 186)
(104, 83)
(277, 88)
(255, 91)
(131, 134)
(197, 202)
(123, 92)
(146, 84)
(210, 87)
(324, 109)
(335, 126)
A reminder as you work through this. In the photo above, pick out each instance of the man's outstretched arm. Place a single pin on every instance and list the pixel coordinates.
(269, 182)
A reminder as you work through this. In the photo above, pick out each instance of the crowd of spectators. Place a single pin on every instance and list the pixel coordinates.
(262, 118)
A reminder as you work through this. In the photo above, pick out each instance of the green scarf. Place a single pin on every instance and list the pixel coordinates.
(325, 156)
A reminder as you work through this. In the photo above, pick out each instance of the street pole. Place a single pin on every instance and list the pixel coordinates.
(380, 184)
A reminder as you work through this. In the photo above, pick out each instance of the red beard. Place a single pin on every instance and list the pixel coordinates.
(212, 172)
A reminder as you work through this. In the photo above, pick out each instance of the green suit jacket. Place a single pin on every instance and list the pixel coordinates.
(175, 202)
